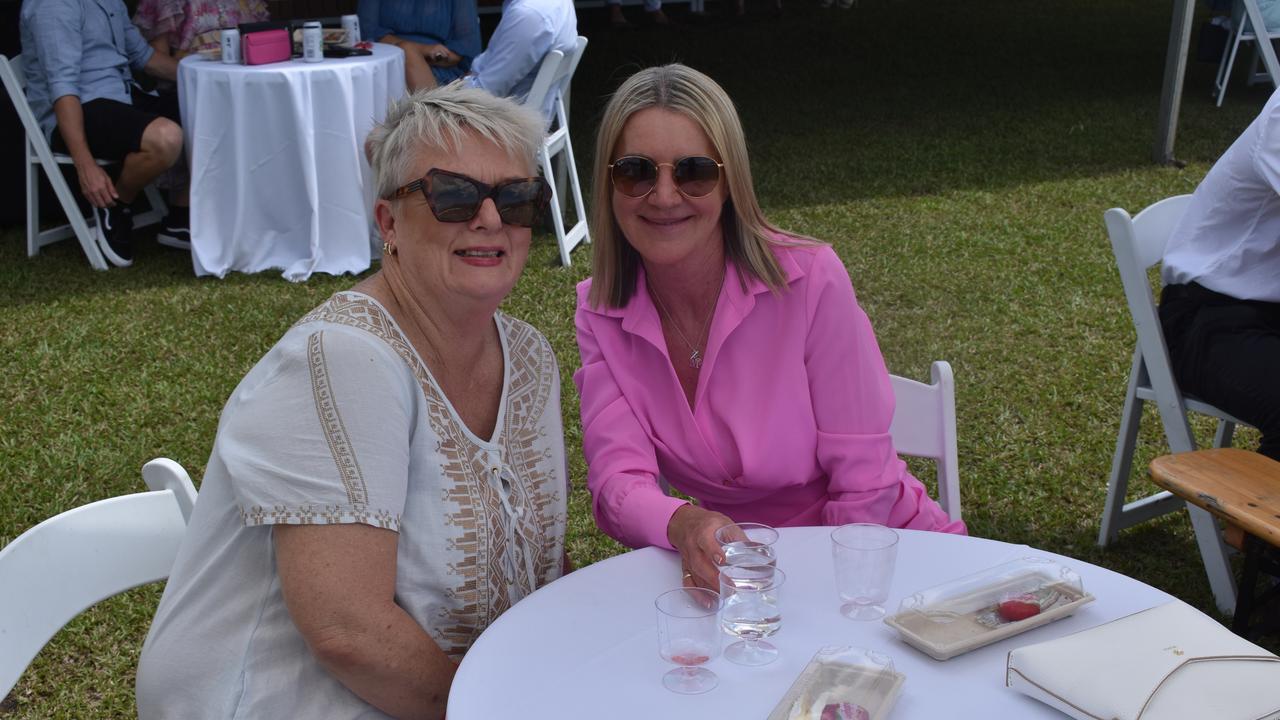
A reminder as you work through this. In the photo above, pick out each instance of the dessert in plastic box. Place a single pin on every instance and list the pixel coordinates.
(329, 36)
(968, 613)
(842, 683)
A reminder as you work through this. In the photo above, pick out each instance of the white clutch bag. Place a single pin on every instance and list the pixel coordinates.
(1166, 663)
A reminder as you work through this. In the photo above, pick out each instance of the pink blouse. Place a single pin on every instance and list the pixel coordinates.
(790, 422)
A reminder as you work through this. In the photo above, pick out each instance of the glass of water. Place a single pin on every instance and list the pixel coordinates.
(864, 555)
(689, 636)
(750, 611)
(748, 544)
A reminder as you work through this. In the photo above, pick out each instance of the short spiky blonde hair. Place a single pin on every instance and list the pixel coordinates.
(442, 118)
(747, 234)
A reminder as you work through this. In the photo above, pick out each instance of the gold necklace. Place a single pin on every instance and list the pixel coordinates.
(695, 352)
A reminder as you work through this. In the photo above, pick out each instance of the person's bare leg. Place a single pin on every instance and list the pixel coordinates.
(417, 72)
(161, 148)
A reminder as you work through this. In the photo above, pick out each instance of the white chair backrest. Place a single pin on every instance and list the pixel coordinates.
(1149, 231)
(66, 564)
(1138, 244)
(545, 80)
(15, 83)
(579, 49)
(165, 474)
(568, 67)
(554, 75)
(16, 68)
(924, 425)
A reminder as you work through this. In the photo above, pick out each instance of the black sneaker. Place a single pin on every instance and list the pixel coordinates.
(175, 229)
(115, 234)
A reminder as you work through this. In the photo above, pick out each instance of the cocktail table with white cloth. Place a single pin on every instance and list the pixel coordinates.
(278, 174)
(586, 645)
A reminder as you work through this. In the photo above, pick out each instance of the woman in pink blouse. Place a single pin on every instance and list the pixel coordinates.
(720, 354)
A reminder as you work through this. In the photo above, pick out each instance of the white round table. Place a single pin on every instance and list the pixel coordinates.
(278, 174)
(586, 645)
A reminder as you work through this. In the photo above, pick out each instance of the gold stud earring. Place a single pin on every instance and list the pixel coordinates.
(388, 248)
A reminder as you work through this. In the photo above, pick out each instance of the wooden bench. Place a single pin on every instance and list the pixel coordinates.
(1243, 489)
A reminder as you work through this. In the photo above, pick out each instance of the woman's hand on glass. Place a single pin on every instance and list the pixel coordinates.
(692, 531)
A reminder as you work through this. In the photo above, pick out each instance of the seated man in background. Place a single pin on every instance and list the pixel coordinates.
(1220, 309)
(77, 58)
(528, 30)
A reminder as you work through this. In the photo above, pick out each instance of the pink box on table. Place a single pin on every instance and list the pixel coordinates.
(266, 46)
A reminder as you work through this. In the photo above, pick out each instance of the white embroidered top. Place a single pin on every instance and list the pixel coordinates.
(341, 422)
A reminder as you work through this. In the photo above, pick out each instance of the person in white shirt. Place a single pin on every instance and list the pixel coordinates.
(1220, 308)
(528, 30)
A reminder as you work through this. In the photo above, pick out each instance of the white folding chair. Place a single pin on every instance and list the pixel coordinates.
(554, 76)
(924, 425)
(72, 561)
(1139, 243)
(39, 154)
(165, 474)
(1246, 24)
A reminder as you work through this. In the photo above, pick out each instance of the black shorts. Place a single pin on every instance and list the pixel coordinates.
(114, 129)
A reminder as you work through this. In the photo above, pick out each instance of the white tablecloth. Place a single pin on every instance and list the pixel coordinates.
(586, 646)
(278, 174)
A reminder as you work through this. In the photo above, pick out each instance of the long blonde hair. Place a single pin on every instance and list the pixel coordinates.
(747, 234)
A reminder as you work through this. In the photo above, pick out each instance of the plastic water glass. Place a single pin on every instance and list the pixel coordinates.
(748, 544)
(750, 610)
(864, 555)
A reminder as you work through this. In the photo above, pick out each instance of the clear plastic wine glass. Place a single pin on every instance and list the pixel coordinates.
(750, 611)
(748, 544)
(689, 636)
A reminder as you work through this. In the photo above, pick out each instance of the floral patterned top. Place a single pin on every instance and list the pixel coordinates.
(191, 26)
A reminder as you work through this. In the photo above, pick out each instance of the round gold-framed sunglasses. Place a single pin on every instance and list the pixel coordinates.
(636, 176)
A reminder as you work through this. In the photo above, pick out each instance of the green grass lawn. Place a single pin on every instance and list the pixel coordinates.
(958, 155)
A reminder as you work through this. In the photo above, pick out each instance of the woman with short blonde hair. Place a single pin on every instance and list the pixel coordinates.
(390, 477)
(723, 355)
